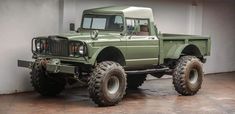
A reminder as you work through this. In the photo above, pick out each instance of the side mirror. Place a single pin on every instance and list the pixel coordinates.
(78, 30)
(72, 27)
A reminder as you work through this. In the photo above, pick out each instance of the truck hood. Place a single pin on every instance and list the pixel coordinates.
(86, 37)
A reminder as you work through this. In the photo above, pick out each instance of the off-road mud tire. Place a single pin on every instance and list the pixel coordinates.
(183, 74)
(99, 81)
(47, 84)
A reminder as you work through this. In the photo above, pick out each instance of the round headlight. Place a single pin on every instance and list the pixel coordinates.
(76, 49)
(38, 45)
(81, 50)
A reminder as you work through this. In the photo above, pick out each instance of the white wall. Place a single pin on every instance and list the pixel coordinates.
(219, 23)
(20, 21)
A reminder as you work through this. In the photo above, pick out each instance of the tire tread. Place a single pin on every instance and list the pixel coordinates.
(179, 81)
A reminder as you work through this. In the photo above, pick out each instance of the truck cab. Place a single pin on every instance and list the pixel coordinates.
(135, 27)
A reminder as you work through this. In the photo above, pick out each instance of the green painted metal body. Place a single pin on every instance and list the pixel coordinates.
(142, 50)
(137, 50)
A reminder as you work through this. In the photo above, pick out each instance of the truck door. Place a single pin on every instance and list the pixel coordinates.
(142, 47)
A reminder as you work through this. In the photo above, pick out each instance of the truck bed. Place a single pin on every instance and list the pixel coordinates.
(170, 44)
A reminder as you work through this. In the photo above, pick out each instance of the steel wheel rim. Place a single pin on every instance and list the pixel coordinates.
(113, 85)
(193, 76)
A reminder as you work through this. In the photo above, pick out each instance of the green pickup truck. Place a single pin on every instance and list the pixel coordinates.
(116, 48)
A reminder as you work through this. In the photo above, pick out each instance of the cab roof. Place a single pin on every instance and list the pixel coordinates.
(127, 11)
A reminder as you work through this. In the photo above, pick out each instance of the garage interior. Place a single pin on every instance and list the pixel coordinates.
(21, 20)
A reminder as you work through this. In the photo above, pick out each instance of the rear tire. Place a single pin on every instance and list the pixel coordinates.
(107, 84)
(188, 75)
(135, 81)
(47, 84)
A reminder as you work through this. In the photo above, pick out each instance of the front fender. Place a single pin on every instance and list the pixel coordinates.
(92, 60)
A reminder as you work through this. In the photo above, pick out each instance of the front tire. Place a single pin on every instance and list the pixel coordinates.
(47, 84)
(107, 84)
(188, 75)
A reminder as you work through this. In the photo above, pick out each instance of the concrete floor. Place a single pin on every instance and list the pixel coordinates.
(217, 96)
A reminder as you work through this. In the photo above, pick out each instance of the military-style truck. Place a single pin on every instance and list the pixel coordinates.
(116, 48)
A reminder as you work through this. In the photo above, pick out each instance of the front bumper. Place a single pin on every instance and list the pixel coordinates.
(53, 66)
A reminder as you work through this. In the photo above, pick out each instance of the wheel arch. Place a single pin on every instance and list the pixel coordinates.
(108, 53)
(188, 49)
(192, 50)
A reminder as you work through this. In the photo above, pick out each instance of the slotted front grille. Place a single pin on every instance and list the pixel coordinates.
(58, 46)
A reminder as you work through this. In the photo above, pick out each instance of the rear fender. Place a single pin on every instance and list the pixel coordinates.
(189, 49)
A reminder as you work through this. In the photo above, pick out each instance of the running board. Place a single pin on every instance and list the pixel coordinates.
(149, 71)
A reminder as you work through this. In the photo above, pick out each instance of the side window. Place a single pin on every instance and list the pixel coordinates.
(118, 20)
(115, 23)
(138, 27)
(130, 25)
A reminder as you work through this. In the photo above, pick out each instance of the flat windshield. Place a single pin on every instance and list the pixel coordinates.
(103, 22)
